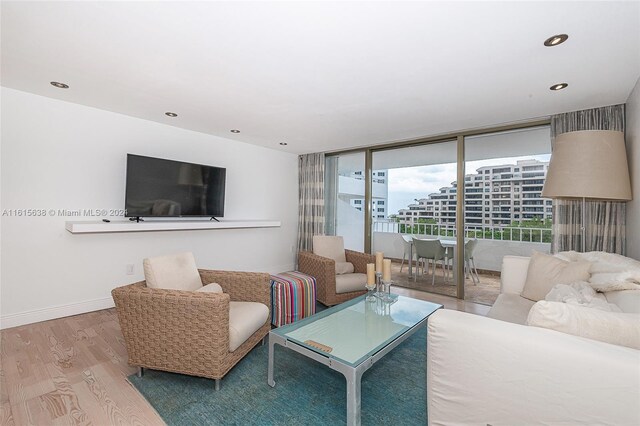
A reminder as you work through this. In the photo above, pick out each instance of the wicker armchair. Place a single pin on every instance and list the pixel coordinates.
(188, 332)
(324, 271)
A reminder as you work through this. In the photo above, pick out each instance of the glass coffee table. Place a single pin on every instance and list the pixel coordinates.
(353, 336)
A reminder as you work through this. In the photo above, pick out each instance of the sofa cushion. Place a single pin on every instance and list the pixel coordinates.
(211, 288)
(511, 308)
(610, 327)
(344, 268)
(481, 371)
(513, 274)
(627, 300)
(329, 246)
(350, 282)
(545, 271)
(245, 318)
(172, 272)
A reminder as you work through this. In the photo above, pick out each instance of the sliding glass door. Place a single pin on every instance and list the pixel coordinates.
(505, 213)
(345, 182)
(446, 212)
(414, 214)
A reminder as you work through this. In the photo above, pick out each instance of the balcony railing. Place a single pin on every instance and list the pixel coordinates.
(485, 232)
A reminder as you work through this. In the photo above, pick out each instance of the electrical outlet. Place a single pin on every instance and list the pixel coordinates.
(130, 269)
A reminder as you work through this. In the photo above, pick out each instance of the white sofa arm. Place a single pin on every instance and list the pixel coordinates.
(513, 274)
(483, 371)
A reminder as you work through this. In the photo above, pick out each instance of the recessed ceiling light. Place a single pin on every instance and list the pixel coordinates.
(558, 86)
(235, 131)
(283, 143)
(556, 40)
(59, 85)
(171, 114)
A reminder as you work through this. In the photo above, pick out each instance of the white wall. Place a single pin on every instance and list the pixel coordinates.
(59, 155)
(633, 155)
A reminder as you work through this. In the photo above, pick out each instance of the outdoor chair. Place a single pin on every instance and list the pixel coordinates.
(405, 246)
(430, 250)
(469, 263)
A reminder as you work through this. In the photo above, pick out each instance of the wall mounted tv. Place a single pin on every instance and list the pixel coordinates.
(167, 188)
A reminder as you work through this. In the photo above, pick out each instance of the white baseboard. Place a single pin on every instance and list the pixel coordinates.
(54, 312)
(38, 315)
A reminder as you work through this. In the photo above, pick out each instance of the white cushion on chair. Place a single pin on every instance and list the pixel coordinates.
(350, 282)
(329, 246)
(245, 318)
(344, 268)
(172, 272)
(210, 288)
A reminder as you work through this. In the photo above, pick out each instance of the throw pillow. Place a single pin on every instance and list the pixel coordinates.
(330, 247)
(172, 272)
(210, 288)
(545, 271)
(344, 268)
(610, 327)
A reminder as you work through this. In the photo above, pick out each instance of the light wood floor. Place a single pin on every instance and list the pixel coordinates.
(447, 301)
(69, 371)
(72, 371)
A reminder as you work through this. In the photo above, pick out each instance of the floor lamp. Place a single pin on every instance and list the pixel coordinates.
(589, 164)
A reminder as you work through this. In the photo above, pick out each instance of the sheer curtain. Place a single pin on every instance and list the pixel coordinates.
(311, 199)
(605, 220)
(331, 195)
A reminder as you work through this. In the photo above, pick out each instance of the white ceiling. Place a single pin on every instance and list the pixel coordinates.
(324, 75)
(515, 143)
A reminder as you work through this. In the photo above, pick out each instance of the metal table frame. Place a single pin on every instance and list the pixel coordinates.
(353, 374)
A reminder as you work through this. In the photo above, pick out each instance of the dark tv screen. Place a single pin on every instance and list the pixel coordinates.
(167, 188)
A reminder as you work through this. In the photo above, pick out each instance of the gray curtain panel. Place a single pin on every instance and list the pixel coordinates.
(605, 221)
(604, 118)
(331, 194)
(605, 226)
(311, 199)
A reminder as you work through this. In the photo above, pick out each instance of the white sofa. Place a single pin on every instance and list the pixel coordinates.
(497, 371)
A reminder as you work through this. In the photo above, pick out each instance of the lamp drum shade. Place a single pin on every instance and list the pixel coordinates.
(588, 164)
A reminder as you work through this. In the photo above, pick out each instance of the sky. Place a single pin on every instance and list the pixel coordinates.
(408, 183)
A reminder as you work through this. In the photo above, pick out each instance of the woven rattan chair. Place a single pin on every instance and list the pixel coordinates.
(187, 332)
(324, 271)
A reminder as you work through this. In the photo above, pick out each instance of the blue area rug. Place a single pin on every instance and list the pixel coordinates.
(306, 392)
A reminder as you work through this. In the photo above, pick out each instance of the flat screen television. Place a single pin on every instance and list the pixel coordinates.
(165, 188)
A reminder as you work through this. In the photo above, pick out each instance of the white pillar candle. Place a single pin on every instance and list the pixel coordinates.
(379, 257)
(386, 270)
(371, 274)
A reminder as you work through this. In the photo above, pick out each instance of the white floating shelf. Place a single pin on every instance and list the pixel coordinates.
(157, 225)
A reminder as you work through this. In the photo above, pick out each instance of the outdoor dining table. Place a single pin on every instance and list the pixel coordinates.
(409, 239)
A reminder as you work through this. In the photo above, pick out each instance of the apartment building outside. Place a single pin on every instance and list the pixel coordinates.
(495, 196)
(380, 206)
